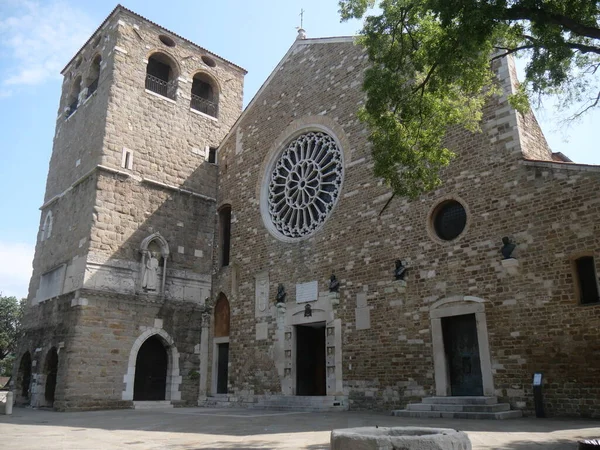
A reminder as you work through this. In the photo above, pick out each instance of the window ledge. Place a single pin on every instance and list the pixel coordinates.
(200, 113)
(162, 97)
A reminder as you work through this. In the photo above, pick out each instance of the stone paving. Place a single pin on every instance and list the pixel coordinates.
(204, 428)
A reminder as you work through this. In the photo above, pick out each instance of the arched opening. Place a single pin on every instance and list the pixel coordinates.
(51, 371)
(161, 75)
(225, 234)
(93, 75)
(151, 367)
(73, 99)
(23, 384)
(221, 344)
(205, 95)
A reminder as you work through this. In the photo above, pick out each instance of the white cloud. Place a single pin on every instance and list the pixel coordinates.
(15, 268)
(37, 40)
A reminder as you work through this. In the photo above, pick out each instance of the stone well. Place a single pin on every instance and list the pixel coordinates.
(395, 438)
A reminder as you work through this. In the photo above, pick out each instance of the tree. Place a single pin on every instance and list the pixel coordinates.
(11, 312)
(430, 69)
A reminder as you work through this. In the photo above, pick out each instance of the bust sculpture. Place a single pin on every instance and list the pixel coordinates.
(280, 294)
(507, 248)
(334, 284)
(400, 270)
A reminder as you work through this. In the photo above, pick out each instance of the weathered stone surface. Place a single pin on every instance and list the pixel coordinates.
(407, 438)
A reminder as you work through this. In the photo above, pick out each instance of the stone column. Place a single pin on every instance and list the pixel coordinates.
(202, 393)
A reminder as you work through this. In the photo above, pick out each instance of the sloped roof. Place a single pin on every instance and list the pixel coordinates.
(119, 8)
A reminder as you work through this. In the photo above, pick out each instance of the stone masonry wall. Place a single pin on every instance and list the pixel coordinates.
(534, 320)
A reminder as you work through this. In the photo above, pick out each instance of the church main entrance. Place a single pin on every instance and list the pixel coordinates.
(462, 354)
(310, 359)
(151, 371)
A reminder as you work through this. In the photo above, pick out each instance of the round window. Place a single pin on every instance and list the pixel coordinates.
(166, 40)
(449, 220)
(304, 184)
(208, 61)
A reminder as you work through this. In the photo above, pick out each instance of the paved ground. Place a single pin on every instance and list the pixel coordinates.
(202, 428)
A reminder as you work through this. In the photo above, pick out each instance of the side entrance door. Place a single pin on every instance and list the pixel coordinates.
(462, 354)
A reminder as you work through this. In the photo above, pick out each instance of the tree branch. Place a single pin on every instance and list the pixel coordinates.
(534, 15)
(583, 111)
(510, 50)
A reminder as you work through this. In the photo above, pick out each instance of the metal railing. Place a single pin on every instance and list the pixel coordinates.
(92, 88)
(203, 105)
(72, 107)
(165, 88)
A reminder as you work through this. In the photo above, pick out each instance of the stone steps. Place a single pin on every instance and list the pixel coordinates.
(302, 403)
(459, 408)
(158, 404)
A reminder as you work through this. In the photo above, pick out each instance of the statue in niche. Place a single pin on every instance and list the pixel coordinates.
(280, 294)
(507, 248)
(400, 270)
(334, 284)
(150, 280)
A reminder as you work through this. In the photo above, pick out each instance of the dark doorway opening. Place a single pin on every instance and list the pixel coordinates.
(51, 375)
(24, 377)
(151, 371)
(222, 367)
(462, 354)
(310, 360)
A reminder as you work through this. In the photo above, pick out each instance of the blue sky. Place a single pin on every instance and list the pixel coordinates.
(38, 37)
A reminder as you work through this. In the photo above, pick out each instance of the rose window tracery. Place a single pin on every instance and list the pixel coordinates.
(304, 184)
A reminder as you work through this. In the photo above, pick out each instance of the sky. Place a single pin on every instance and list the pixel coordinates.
(38, 38)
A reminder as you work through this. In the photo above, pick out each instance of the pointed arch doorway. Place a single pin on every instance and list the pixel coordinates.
(221, 345)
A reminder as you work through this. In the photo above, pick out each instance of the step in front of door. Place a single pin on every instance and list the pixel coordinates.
(459, 408)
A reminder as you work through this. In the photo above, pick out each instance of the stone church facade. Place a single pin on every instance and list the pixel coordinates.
(193, 253)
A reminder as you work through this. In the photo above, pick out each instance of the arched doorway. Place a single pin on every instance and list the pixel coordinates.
(151, 370)
(51, 371)
(24, 378)
(221, 345)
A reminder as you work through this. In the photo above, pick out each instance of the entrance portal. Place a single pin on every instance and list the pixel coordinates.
(151, 371)
(51, 373)
(24, 377)
(310, 360)
(462, 354)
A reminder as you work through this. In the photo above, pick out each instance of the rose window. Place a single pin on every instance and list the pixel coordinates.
(304, 184)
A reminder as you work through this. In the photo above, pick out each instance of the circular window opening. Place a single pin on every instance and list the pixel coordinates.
(449, 220)
(208, 61)
(166, 40)
(303, 185)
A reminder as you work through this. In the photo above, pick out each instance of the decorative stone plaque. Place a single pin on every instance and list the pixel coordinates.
(307, 292)
(262, 294)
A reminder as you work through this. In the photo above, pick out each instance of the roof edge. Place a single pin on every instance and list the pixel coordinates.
(119, 8)
(296, 43)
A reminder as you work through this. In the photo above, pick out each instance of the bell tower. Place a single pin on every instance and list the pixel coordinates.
(124, 252)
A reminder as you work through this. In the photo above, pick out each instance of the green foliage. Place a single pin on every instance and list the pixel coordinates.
(11, 312)
(193, 374)
(430, 70)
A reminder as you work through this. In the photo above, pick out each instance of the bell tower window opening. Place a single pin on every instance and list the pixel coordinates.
(204, 95)
(94, 76)
(225, 234)
(73, 98)
(586, 280)
(160, 76)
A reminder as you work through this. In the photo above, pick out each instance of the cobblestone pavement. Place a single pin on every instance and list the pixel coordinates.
(202, 428)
